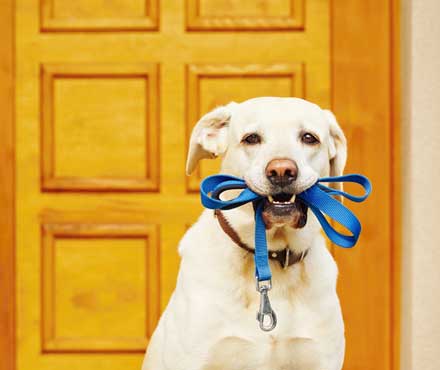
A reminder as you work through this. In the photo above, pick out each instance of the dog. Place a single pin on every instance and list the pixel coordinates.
(280, 147)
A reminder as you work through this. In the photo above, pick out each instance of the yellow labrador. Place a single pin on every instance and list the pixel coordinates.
(280, 146)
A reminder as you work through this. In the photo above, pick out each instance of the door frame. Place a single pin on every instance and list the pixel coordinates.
(7, 186)
(351, 19)
(349, 24)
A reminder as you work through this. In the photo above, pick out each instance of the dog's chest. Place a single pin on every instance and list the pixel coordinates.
(270, 353)
(242, 344)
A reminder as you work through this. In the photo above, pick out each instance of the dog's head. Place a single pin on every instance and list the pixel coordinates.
(279, 146)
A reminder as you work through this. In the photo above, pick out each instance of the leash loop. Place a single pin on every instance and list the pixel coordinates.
(319, 198)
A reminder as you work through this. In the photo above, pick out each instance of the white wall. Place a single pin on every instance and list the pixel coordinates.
(421, 185)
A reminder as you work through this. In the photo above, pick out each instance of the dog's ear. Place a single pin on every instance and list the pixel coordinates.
(209, 136)
(337, 148)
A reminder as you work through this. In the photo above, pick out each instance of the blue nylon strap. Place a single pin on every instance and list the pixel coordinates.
(319, 198)
(215, 185)
(353, 178)
(262, 270)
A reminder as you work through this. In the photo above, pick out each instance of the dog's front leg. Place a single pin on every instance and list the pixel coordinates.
(153, 357)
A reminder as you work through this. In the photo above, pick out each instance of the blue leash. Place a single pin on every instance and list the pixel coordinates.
(319, 198)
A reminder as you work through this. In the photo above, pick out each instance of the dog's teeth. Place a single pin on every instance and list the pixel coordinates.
(292, 200)
(270, 197)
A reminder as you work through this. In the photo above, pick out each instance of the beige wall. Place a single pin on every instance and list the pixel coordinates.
(421, 181)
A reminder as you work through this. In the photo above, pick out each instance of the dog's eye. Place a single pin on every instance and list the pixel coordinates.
(308, 138)
(252, 139)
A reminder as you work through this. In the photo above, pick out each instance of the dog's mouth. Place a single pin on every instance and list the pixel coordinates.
(283, 209)
(282, 198)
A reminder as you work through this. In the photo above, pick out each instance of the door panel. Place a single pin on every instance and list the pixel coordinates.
(221, 15)
(106, 96)
(95, 274)
(99, 15)
(91, 114)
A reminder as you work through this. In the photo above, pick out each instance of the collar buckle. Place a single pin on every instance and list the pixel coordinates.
(286, 258)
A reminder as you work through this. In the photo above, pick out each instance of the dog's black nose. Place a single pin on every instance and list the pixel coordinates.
(281, 172)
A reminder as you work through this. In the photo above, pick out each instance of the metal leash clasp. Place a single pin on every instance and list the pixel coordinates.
(265, 316)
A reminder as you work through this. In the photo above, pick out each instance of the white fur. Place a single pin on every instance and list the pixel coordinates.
(210, 323)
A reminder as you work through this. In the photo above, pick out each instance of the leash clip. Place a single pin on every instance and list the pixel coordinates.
(265, 316)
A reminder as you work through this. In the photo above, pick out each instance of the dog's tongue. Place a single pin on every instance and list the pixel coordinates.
(290, 214)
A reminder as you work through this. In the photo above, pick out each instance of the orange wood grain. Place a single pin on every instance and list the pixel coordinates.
(148, 72)
(68, 227)
(7, 187)
(365, 99)
(396, 207)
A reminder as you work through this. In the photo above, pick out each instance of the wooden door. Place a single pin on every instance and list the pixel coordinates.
(106, 94)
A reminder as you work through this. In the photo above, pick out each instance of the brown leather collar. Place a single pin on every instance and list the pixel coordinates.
(285, 257)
